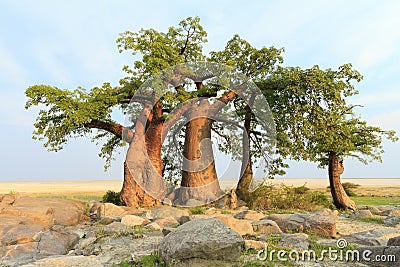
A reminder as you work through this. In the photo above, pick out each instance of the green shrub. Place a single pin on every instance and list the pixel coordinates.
(151, 261)
(350, 192)
(146, 261)
(319, 198)
(124, 264)
(282, 197)
(112, 197)
(350, 185)
(225, 212)
(301, 189)
(197, 210)
(347, 188)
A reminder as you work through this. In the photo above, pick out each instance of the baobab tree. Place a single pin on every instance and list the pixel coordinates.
(316, 123)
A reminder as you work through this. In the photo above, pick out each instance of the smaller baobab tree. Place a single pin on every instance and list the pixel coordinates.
(256, 64)
(315, 123)
(342, 134)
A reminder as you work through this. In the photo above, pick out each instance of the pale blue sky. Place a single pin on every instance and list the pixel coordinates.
(72, 43)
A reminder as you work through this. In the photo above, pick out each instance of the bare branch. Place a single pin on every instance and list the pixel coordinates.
(114, 128)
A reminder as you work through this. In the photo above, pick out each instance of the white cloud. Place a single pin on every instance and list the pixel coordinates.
(13, 74)
(371, 36)
(379, 98)
(13, 112)
(388, 121)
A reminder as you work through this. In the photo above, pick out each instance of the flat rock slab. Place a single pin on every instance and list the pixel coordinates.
(166, 211)
(167, 222)
(113, 249)
(133, 220)
(56, 243)
(242, 227)
(392, 220)
(6, 201)
(319, 223)
(115, 228)
(359, 214)
(47, 211)
(43, 244)
(266, 227)
(71, 261)
(255, 244)
(34, 228)
(394, 241)
(299, 241)
(101, 210)
(249, 215)
(16, 255)
(18, 230)
(376, 254)
(373, 237)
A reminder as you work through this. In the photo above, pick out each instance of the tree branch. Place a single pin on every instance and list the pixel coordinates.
(116, 129)
(176, 114)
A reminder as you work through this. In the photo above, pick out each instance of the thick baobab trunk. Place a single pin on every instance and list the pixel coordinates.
(340, 198)
(154, 137)
(143, 183)
(132, 194)
(243, 187)
(199, 177)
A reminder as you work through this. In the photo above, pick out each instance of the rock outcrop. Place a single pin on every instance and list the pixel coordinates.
(56, 232)
(321, 223)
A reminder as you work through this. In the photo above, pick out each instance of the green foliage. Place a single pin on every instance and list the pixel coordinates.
(255, 63)
(225, 212)
(152, 260)
(350, 192)
(313, 118)
(123, 264)
(197, 210)
(301, 189)
(112, 197)
(161, 50)
(66, 114)
(350, 185)
(321, 199)
(282, 197)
